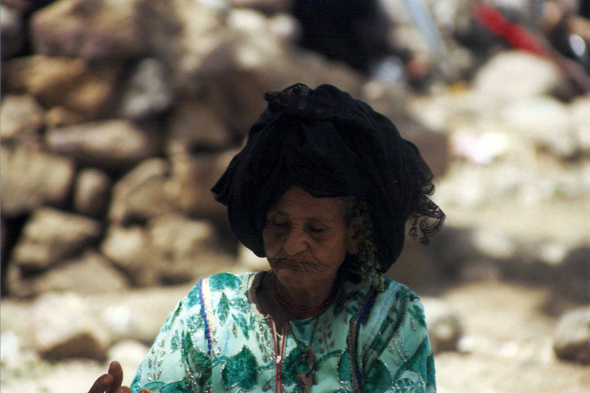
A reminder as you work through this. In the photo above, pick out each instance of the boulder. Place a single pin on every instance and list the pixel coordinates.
(31, 179)
(21, 117)
(58, 116)
(90, 29)
(148, 91)
(142, 193)
(51, 236)
(129, 353)
(183, 247)
(545, 121)
(579, 110)
(88, 274)
(74, 84)
(572, 336)
(513, 75)
(12, 31)
(64, 327)
(109, 144)
(194, 126)
(92, 192)
(250, 261)
(444, 325)
(130, 250)
(191, 182)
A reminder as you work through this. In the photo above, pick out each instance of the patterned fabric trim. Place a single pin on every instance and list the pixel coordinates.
(353, 338)
(207, 314)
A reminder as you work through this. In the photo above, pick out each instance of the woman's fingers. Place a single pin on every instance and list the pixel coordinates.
(116, 371)
(101, 384)
(123, 389)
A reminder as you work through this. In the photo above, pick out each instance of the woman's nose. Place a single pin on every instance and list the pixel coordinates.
(294, 243)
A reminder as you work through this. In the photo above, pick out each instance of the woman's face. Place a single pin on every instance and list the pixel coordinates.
(306, 239)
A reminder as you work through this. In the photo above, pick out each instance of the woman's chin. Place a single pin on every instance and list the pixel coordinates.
(290, 278)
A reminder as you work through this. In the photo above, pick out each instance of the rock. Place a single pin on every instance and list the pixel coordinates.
(191, 182)
(191, 39)
(545, 121)
(21, 117)
(110, 144)
(148, 91)
(75, 84)
(182, 247)
(250, 261)
(572, 336)
(92, 192)
(514, 75)
(31, 179)
(139, 315)
(444, 325)
(194, 126)
(130, 354)
(59, 117)
(12, 33)
(16, 317)
(65, 327)
(142, 193)
(91, 273)
(95, 29)
(130, 250)
(51, 236)
(579, 110)
(266, 6)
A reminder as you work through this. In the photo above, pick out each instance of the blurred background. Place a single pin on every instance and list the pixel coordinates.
(118, 116)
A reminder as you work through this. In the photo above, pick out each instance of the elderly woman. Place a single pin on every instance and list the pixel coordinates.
(323, 189)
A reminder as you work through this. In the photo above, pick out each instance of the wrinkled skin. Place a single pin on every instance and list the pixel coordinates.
(306, 240)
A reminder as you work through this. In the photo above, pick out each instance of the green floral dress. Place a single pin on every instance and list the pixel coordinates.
(216, 340)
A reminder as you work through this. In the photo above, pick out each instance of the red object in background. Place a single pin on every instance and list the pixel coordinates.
(516, 35)
(520, 38)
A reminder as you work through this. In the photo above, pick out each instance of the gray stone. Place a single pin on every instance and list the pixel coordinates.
(129, 353)
(31, 179)
(142, 193)
(130, 250)
(444, 325)
(75, 84)
(191, 182)
(545, 121)
(90, 29)
(64, 327)
(580, 115)
(91, 273)
(92, 192)
(572, 336)
(109, 144)
(51, 236)
(193, 126)
(12, 32)
(514, 75)
(148, 91)
(21, 117)
(182, 247)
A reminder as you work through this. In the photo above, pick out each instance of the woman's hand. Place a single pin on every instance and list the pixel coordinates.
(111, 382)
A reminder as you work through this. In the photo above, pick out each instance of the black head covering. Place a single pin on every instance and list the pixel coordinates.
(331, 145)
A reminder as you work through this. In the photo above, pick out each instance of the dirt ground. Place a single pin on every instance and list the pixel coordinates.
(507, 345)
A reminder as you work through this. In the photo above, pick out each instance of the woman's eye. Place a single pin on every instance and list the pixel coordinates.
(316, 229)
(280, 225)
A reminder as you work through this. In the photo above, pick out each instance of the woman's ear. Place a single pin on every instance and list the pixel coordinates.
(355, 235)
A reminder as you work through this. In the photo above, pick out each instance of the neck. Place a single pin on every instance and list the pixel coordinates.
(299, 303)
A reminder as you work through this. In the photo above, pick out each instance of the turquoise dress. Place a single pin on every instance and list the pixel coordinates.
(216, 340)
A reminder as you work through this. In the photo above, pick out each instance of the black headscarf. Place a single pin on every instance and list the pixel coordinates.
(331, 145)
